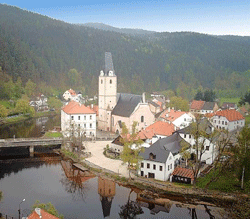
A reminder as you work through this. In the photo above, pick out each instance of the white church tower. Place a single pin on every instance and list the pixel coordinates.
(107, 93)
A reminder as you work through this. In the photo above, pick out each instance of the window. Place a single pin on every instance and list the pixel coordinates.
(142, 165)
(90, 125)
(84, 117)
(185, 119)
(72, 117)
(154, 166)
(214, 121)
(225, 123)
(79, 125)
(160, 168)
(84, 125)
(170, 166)
(142, 173)
(148, 165)
(142, 118)
(207, 148)
(189, 136)
(185, 135)
(79, 117)
(90, 133)
(222, 122)
(219, 122)
(101, 81)
(110, 81)
(90, 117)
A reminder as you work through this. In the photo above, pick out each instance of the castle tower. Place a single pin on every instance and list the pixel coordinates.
(107, 93)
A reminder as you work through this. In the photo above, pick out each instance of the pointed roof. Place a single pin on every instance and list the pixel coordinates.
(72, 92)
(39, 213)
(126, 104)
(183, 172)
(108, 63)
(197, 104)
(171, 114)
(159, 128)
(76, 108)
(230, 114)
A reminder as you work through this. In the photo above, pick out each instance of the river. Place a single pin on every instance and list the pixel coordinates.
(76, 194)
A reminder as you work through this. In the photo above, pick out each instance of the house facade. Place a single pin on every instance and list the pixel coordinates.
(203, 107)
(79, 119)
(116, 108)
(160, 158)
(229, 119)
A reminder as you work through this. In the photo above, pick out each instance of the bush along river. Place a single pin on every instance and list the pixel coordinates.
(81, 194)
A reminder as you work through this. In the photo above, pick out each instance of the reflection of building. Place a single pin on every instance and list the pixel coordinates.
(75, 174)
(153, 205)
(40, 213)
(106, 190)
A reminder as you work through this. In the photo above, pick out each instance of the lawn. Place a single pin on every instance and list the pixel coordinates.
(53, 135)
(227, 182)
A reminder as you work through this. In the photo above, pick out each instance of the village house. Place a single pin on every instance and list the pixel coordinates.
(40, 103)
(72, 95)
(228, 105)
(78, 119)
(178, 118)
(203, 107)
(182, 175)
(116, 108)
(157, 104)
(229, 119)
(39, 213)
(160, 159)
(210, 150)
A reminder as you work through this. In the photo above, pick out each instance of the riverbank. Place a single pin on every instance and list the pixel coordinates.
(21, 118)
(186, 193)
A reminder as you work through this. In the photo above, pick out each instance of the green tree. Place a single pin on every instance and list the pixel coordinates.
(3, 111)
(50, 208)
(22, 106)
(30, 88)
(54, 102)
(18, 88)
(132, 147)
(179, 103)
(199, 95)
(9, 88)
(242, 155)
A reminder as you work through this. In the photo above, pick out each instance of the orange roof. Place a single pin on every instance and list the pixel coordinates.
(183, 172)
(157, 128)
(76, 108)
(72, 92)
(230, 114)
(43, 214)
(197, 104)
(95, 109)
(171, 115)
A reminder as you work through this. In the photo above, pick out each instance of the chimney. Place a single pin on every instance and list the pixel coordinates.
(169, 109)
(143, 97)
(92, 106)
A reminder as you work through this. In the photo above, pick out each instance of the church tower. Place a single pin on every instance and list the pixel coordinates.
(107, 93)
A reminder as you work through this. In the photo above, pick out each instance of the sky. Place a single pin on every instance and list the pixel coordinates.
(218, 17)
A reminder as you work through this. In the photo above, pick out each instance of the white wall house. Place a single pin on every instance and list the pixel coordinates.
(179, 118)
(160, 158)
(210, 150)
(229, 119)
(69, 94)
(78, 118)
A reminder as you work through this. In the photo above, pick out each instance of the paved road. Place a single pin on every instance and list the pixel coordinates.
(97, 158)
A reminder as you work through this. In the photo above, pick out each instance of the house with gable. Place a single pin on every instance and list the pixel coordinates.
(116, 108)
(210, 149)
(178, 118)
(228, 105)
(160, 158)
(76, 117)
(203, 107)
(228, 119)
(69, 94)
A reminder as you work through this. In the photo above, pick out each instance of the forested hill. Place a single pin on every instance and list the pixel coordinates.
(44, 49)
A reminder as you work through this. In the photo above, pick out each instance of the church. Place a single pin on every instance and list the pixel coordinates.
(116, 108)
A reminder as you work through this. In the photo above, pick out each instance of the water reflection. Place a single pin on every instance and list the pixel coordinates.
(29, 128)
(73, 180)
(107, 191)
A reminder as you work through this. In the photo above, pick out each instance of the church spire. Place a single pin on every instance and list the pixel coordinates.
(109, 68)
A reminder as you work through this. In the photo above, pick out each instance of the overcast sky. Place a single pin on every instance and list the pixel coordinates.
(213, 17)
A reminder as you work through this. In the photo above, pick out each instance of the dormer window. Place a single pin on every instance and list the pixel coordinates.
(152, 156)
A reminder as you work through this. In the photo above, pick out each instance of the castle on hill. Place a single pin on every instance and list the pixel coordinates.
(116, 108)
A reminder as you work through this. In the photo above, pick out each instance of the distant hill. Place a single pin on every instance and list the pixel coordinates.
(130, 31)
(44, 49)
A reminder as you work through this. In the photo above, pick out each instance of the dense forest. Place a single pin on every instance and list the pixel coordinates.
(46, 50)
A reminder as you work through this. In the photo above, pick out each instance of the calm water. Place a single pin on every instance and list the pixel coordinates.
(78, 195)
(29, 128)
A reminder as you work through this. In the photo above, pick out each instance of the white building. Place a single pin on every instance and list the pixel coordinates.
(179, 118)
(77, 118)
(229, 119)
(160, 158)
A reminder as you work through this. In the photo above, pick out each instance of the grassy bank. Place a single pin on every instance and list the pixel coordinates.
(52, 135)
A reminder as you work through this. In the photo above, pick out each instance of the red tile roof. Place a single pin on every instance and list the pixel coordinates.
(197, 104)
(72, 92)
(95, 109)
(183, 172)
(76, 108)
(230, 114)
(157, 128)
(171, 115)
(43, 214)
